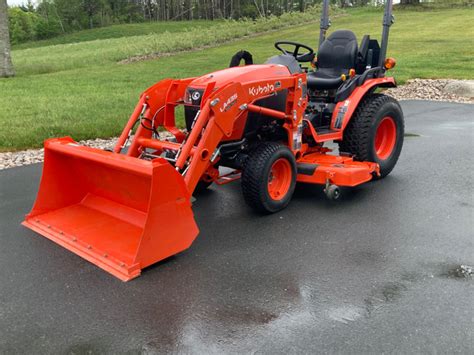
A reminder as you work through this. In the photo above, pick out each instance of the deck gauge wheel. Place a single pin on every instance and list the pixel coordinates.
(333, 192)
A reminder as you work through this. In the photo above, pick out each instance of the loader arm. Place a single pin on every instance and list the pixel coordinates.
(223, 109)
(215, 120)
(155, 108)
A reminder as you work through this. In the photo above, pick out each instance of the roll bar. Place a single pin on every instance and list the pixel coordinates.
(325, 22)
(388, 20)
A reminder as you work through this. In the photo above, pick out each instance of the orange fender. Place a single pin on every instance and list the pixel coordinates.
(345, 109)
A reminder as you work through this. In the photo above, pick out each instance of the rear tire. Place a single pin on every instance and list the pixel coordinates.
(375, 132)
(269, 177)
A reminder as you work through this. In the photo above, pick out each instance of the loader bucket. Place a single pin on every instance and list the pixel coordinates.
(118, 212)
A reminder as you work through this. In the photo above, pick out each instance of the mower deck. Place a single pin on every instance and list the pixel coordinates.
(317, 168)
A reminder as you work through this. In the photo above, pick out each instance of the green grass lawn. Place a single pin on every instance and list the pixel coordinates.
(109, 51)
(88, 98)
(119, 31)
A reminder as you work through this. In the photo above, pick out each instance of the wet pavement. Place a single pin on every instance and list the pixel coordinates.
(378, 271)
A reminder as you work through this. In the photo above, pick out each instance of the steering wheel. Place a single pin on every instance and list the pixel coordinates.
(300, 57)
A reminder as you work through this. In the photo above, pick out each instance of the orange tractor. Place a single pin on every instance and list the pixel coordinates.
(126, 209)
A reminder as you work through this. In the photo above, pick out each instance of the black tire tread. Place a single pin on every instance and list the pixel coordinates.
(253, 173)
(357, 133)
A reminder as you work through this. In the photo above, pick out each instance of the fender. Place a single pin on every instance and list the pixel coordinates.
(345, 109)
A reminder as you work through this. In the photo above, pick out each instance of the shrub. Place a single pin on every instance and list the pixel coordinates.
(47, 29)
(22, 25)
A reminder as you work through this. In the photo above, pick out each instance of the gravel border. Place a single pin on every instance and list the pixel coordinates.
(417, 89)
(428, 89)
(32, 156)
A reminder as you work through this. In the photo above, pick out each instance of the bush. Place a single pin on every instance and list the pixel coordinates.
(249, 11)
(22, 25)
(29, 26)
(47, 29)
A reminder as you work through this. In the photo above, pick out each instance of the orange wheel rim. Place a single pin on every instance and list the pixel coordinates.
(385, 138)
(279, 180)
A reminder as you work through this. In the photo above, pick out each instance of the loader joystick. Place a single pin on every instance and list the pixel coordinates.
(300, 57)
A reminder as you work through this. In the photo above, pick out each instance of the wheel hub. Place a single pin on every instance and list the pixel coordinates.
(385, 138)
(279, 179)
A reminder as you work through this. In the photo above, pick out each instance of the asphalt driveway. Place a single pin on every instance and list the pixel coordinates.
(375, 272)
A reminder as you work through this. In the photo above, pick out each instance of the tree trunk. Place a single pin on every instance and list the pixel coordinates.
(6, 66)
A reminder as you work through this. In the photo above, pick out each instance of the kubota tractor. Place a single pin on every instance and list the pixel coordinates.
(127, 209)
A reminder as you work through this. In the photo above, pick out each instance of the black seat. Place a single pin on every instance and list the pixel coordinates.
(336, 56)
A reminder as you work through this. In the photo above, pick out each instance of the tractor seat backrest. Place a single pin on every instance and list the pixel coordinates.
(338, 53)
(362, 56)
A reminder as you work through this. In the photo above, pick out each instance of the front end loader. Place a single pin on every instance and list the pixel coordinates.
(129, 208)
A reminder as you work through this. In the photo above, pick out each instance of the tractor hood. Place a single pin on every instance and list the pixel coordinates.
(245, 74)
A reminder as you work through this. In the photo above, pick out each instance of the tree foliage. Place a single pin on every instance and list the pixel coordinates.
(50, 18)
(53, 17)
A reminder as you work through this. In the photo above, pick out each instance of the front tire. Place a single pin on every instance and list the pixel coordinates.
(375, 132)
(269, 177)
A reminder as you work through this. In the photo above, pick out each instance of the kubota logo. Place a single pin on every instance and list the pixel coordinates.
(229, 103)
(257, 90)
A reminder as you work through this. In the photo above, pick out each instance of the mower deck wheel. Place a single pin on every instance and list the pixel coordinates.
(375, 132)
(332, 192)
(269, 177)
